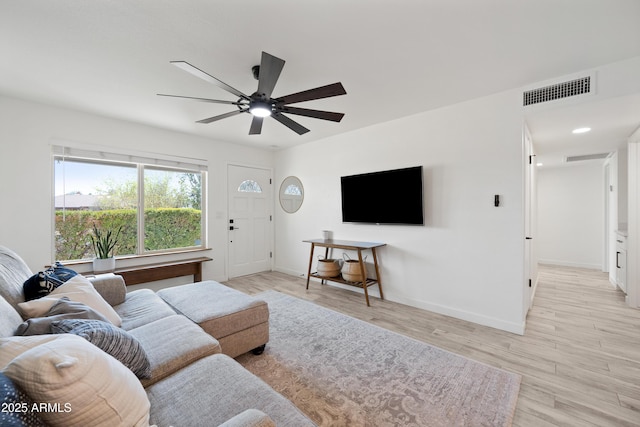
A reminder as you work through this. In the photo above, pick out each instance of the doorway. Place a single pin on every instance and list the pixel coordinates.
(249, 195)
(608, 214)
(530, 220)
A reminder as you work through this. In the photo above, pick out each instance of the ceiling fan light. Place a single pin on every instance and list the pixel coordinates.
(260, 109)
(581, 130)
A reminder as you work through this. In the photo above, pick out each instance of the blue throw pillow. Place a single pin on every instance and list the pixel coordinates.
(17, 407)
(44, 282)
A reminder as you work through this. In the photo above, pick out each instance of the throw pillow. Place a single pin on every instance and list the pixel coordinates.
(10, 319)
(115, 341)
(17, 407)
(61, 309)
(44, 282)
(79, 289)
(87, 385)
(12, 347)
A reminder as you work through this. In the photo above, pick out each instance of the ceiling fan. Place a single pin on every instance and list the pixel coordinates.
(260, 104)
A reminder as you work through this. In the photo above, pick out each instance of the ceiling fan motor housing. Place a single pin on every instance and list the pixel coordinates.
(260, 106)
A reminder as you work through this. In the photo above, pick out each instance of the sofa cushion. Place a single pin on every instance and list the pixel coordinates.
(10, 319)
(13, 272)
(172, 343)
(44, 282)
(79, 289)
(91, 387)
(218, 309)
(141, 307)
(110, 339)
(110, 286)
(215, 389)
(16, 406)
(61, 309)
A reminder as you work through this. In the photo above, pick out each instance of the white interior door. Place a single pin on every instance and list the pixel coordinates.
(249, 228)
(530, 215)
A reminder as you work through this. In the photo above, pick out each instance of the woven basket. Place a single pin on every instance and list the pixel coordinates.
(351, 270)
(328, 267)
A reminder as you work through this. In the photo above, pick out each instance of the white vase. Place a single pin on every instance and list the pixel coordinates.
(104, 265)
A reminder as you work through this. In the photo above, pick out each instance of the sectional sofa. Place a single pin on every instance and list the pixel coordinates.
(109, 357)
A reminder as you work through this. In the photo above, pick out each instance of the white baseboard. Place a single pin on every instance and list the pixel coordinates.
(289, 272)
(570, 264)
(513, 327)
(516, 328)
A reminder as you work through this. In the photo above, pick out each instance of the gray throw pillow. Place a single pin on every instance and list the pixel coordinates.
(64, 308)
(110, 339)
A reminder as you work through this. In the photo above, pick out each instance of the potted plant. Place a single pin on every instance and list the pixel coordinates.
(103, 246)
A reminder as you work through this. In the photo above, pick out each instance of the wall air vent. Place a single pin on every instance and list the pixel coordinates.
(598, 156)
(562, 90)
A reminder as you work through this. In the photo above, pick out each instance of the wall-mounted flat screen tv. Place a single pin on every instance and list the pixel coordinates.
(384, 197)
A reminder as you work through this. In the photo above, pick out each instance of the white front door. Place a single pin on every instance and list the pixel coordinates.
(249, 225)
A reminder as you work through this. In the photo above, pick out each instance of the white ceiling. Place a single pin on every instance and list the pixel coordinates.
(111, 57)
(611, 121)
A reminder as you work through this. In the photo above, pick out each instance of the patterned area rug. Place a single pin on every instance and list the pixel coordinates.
(341, 371)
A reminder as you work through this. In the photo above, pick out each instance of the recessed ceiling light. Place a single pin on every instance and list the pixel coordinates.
(539, 164)
(581, 130)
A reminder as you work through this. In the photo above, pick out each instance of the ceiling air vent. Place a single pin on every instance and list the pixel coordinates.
(570, 159)
(557, 91)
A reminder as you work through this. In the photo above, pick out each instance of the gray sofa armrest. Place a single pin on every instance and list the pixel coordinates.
(250, 418)
(110, 286)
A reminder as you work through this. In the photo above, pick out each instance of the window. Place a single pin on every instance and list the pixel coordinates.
(292, 190)
(158, 204)
(172, 215)
(249, 186)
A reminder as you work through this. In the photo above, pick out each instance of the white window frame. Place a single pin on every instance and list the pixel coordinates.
(107, 155)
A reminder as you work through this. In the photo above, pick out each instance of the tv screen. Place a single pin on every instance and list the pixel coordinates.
(385, 197)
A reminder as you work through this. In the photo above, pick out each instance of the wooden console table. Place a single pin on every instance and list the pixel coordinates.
(350, 245)
(163, 270)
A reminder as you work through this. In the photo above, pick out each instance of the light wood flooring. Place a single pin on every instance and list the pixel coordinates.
(579, 357)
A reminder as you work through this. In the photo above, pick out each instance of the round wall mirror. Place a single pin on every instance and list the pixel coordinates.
(291, 194)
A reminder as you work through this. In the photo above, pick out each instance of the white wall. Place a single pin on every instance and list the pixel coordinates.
(26, 130)
(571, 215)
(623, 187)
(616, 175)
(467, 261)
(625, 80)
(633, 240)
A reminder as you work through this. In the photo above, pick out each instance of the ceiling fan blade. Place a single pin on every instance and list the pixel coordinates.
(270, 69)
(204, 76)
(294, 126)
(221, 116)
(215, 101)
(327, 91)
(316, 114)
(256, 126)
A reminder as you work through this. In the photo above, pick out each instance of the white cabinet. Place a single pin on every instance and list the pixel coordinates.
(621, 260)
